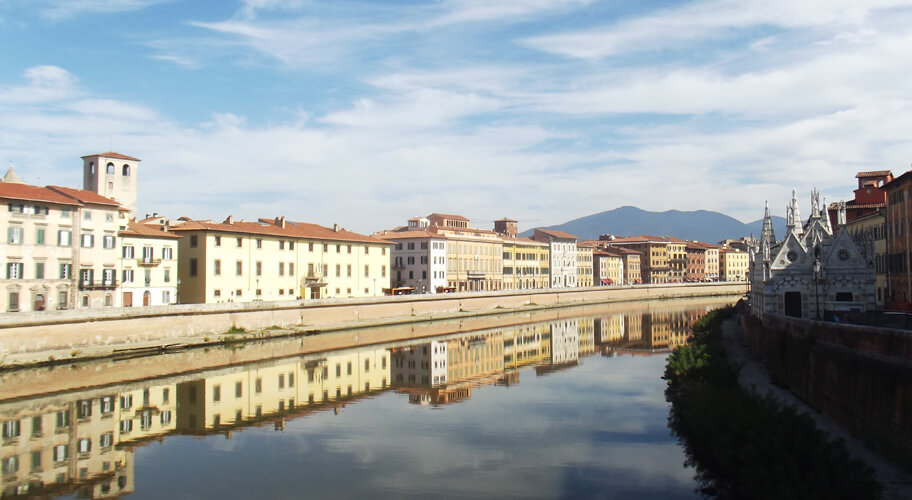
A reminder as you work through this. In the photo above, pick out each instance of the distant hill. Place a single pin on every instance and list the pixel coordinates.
(701, 225)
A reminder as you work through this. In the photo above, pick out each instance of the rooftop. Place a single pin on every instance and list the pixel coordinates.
(116, 156)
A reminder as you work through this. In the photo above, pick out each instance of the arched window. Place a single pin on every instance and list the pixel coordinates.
(111, 168)
(92, 168)
(126, 170)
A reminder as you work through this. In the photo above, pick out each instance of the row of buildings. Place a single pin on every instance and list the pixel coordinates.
(84, 443)
(70, 248)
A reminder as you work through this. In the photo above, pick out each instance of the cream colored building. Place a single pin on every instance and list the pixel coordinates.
(148, 268)
(113, 176)
(733, 264)
(610, 268)
(869, 233)
(61, 247)
(276, 259)
(712, 262)
(474, 256)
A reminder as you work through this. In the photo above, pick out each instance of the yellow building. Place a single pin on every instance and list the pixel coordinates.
(609, 266)
(654, 256)
(584, 266)
(275, 259)
(148, 269)
(677, 259)
(526, 262)
(527, 345)
(869, 233)
(733, 264)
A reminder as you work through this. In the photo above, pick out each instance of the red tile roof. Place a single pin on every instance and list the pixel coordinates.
(873, 173)
(270, 228)
(400, 235)
(139, 229)
(117, 156)
(448, 216)
(84, 196)
(557, 234)
(16, 191)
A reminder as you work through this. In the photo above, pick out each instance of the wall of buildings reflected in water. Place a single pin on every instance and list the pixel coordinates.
(84, 442)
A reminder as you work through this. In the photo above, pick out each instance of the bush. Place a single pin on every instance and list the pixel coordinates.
(746, 446)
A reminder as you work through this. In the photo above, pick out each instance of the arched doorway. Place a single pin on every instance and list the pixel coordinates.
(147, 298)
(39, 303)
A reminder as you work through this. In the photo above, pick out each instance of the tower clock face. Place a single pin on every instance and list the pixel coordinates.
(843, 254)
(791, 256)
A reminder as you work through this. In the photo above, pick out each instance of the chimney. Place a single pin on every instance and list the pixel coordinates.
(336, 228)
(280, 221)
(229, 220)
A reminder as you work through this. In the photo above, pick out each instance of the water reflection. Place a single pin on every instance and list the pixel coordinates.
(83, 442)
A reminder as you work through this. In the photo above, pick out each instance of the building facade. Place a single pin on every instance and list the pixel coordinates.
(899, 242)
(564, 257)
(276, 259)
(148, 269)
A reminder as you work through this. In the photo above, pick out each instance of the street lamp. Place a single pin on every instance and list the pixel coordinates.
(816, 289)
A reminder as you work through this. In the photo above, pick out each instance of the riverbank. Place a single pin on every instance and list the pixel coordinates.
(744, 444)
(755, 377)
(61, 337)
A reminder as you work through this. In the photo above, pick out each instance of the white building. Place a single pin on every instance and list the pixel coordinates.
(812, 273)
(419, 257)
(564, 256)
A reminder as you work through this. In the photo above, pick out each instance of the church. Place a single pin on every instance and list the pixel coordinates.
(812, 273)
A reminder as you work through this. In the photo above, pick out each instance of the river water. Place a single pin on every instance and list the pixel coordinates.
(567, 408)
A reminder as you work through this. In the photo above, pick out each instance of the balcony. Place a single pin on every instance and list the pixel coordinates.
(148, 262)
(98, 285)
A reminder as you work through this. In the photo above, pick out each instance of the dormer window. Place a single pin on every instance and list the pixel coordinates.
(110, 168)
(126, 170)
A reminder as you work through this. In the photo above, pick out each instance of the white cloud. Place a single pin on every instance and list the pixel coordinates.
(707, 20)
(57, 10)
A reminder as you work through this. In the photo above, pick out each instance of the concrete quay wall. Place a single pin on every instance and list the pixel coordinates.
(23, 337)
(860, 376)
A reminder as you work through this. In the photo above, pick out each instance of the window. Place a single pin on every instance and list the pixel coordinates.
(64, 238)
(126, 402)
(338, 270)
(86, 214)
(63, 419)
(237, 292)
(349, 270)
(290, 379)
(218, 241)
(281, 245)
(281, 269)
(239, 267)
(216, 267)
(166, 417)
(109, 241)
(107, 404)
(126, 170)
(126, 426)
(166, 296)
(85, 445)
(16, 208)
(310, 247)
(109, 217)
(14, 235)
(128, 252)
(61, 452)
(366, 270)
(194, 241)
(216, 393)
(338, 248)
(192, 267)
(39, 236)
(281, 381)
(238, 389)
(88, 240)
(39, 270)
(259, 268)
(259, 243)
(349, 249)
(14, 271)
(167, 276)
(240, 242)
(167, 253)
(291, 268)
(11, 429)
(110, 168)
(106, 440)
(366, 250)
(216, 293)
(258, 385)
(383, 271)
(107, 276)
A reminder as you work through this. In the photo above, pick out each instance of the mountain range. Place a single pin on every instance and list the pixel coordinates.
(701, 225)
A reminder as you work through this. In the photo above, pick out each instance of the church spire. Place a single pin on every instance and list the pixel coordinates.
(793, 216)
(767, 234)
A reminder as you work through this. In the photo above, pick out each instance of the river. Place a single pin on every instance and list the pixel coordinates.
(569, 408)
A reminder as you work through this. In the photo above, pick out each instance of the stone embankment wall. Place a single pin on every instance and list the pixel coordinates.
(860, 376)
(72, 333)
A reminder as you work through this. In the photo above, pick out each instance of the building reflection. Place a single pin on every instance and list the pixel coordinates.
(83, 443)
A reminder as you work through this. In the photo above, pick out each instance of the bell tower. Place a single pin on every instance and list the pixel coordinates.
(112, 175)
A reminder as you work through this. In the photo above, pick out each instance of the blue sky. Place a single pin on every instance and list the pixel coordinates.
(367, 113)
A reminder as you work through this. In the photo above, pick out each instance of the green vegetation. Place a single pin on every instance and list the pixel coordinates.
(236, 329)
(746, 446)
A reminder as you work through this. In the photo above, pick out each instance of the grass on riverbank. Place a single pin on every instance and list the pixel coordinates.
(747, 446)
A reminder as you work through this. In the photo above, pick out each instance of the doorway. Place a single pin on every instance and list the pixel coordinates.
(793, 304)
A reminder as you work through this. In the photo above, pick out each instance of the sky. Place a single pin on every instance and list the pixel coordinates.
(368, 113)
